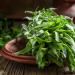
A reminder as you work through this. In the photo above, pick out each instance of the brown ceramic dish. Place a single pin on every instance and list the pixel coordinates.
(14, 45)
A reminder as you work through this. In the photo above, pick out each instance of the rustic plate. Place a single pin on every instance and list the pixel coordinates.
(16, 44)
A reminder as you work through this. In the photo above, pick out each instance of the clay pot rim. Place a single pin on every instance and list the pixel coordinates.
(20, 60)
(6, 49)
(11, 56)
(27, 59)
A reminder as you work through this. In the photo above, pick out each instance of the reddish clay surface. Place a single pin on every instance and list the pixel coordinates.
(15, 45)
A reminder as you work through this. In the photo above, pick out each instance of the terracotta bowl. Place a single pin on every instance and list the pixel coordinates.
(8, 51)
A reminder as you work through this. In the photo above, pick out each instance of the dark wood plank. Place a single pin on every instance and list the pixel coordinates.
(14, 68)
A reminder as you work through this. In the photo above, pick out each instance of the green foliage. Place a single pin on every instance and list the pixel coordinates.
(8, 31)
(51, 38)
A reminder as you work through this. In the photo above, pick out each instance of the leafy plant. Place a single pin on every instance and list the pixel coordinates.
(8, 30)
(51, 38)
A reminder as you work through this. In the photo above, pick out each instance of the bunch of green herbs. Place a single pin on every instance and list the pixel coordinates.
(51, 38)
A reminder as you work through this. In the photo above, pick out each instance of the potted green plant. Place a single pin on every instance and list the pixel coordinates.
(48, 37)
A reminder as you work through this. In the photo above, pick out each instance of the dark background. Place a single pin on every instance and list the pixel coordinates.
(15, 8)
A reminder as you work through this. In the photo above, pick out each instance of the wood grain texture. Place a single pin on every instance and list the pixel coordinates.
(13, 68)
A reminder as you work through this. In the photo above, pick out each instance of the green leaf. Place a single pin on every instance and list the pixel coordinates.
(40, 57)
(57, 36)
(26, 50)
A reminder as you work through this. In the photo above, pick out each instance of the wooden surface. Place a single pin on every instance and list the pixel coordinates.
(13, 68)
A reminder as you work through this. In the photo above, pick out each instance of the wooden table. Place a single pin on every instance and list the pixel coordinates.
(13, 68)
